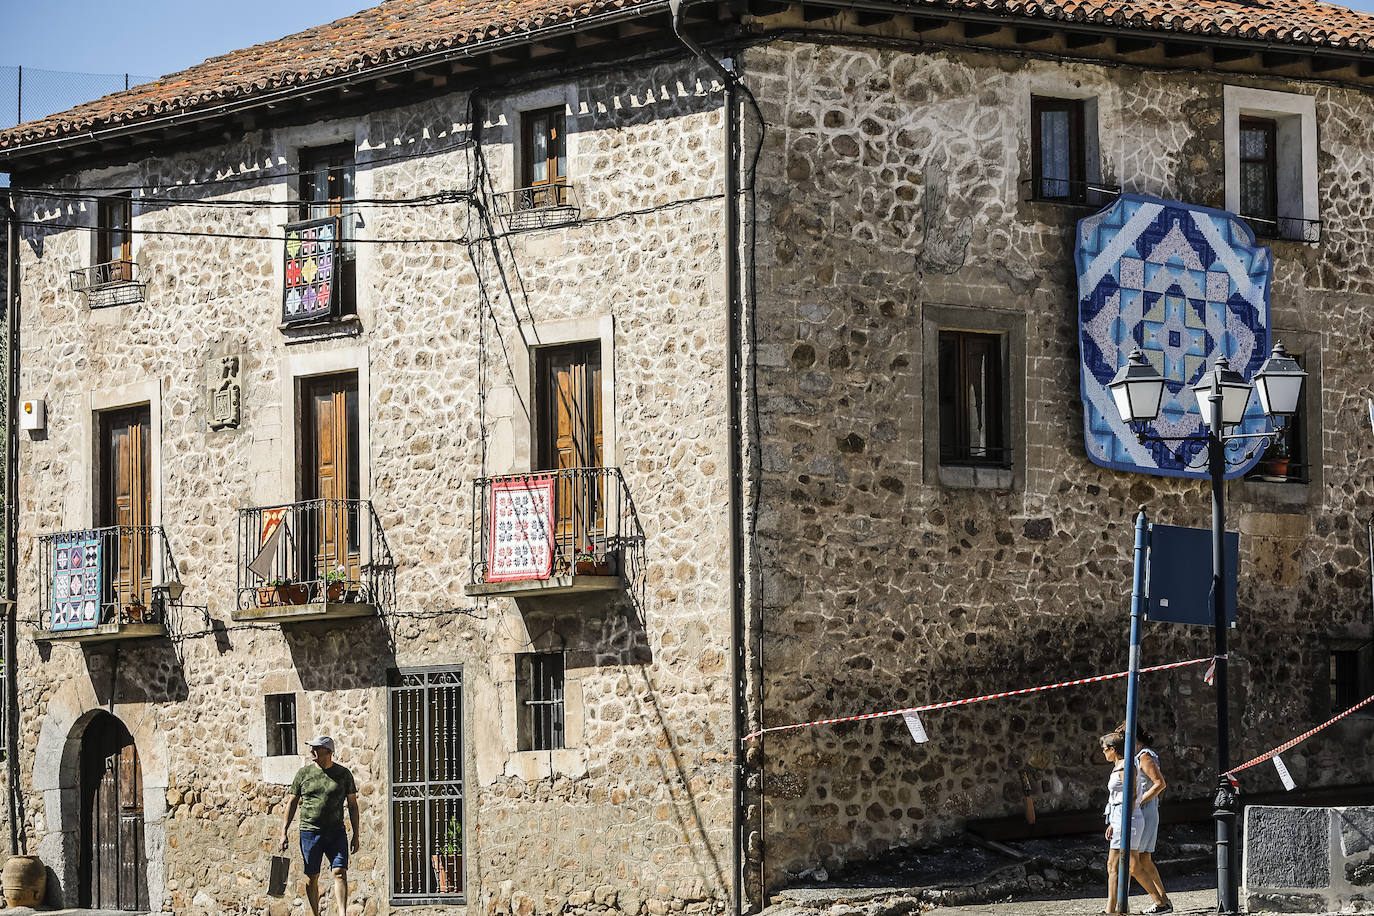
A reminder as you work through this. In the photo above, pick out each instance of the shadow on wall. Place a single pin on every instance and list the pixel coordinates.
(329, 656)
(145, 671)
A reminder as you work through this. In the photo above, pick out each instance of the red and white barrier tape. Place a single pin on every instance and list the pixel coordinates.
(965, 702)
(1298, 740)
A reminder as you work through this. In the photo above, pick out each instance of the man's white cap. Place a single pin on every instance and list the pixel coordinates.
(323, 741)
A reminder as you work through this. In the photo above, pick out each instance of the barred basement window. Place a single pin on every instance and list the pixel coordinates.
(426, 725)
(281, 724)
(539, 695)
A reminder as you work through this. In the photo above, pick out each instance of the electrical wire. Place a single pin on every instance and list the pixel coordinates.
(426, 200)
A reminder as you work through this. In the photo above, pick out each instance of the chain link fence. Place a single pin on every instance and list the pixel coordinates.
(29, 93)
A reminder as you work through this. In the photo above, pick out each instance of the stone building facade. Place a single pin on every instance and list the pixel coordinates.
(845, 567)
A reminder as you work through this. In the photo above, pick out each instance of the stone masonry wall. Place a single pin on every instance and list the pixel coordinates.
(889, 190)
(634, 815)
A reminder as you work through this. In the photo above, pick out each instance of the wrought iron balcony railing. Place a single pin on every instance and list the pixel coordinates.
(320, 551)
(555, 525)
(539, 206)
(1286, 228)
(1069, 193)
(116, 575)
(111, 283)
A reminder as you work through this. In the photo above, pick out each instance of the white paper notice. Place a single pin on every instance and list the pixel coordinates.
(1284, 776)
(913, 723)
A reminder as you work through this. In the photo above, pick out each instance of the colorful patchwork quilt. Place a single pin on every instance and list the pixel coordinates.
(1185, 284)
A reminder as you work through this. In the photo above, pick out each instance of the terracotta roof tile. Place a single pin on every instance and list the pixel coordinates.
(400, 29)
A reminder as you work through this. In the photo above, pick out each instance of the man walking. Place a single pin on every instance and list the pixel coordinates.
(321, 788)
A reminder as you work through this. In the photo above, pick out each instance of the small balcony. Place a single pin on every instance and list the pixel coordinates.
(322, 559)
(554, 533)
(111, 283)
(540, 206)
(104, 584)
(1285, 228)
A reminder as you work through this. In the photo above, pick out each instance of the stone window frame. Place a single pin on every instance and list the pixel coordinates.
(287, 149)
(510, 113)
(1295, 115)
(1090, 100)
(280, 770)
(571, 759)
(513, 411)
(297, 368)
(1011, 326)
(1281, 493)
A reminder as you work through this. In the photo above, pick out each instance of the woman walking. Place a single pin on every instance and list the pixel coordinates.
(1114, 749)
(1150, 786)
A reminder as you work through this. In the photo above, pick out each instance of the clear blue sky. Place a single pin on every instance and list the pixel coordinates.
(149, 37)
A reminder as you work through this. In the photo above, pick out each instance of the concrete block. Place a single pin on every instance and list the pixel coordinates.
(1287, 847)
(1357, 829)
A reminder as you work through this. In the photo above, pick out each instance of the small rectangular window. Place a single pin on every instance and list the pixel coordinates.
(973, 400)
(539, 695)
(1259, 194)
(327, 190)
(281, 725)
(114, 239)
(1058, 170)
(544, 162)
(1347, 688)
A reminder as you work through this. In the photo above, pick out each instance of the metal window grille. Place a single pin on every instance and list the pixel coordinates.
(542, 700)
(426, 725)
(281, 724)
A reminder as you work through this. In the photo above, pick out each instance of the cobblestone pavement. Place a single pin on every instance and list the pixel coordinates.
(1196, 894)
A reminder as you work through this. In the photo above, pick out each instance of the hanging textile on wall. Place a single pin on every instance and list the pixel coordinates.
(520, 539)
(76, 581)
(311, 253)
(1185, 284)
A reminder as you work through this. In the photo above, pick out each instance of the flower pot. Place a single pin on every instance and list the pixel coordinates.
(592, 568)
(294, 593)
(1273, 467)
(334, 591)
(448, 872)
(137, 613)
(25, 880)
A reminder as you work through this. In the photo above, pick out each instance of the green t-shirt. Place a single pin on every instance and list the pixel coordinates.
(322, 794)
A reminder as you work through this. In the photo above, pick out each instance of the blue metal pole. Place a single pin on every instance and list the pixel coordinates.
(1123, 874)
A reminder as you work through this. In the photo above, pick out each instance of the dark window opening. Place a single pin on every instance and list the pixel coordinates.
(1058, 171)
(974, 402)
(114, 240)
(539, 697)
(281, 724)
(1347, 679)
(1259, 195)
(327, 189)
(544, 163)
(426, 725)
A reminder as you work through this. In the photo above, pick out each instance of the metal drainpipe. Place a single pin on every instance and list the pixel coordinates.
(734, 312)
(18, 842)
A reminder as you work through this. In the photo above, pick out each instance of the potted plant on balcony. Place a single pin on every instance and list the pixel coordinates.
(1275, 460)
(335, 582)
(448, 858)
(589, 563)
(283, 591)
(136, 611)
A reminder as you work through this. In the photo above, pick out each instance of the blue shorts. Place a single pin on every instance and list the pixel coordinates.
(317, 845)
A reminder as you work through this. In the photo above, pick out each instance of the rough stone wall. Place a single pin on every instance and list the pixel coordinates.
(889, 189)
(633, 817)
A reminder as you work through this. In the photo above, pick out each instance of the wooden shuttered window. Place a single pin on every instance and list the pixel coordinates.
(125, 500)
(330, 472)
(327, 189)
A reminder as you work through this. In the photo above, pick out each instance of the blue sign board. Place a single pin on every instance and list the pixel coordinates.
(1185, 284)
(1180, 575)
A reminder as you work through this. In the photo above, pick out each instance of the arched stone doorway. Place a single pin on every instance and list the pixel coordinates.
(111, 854)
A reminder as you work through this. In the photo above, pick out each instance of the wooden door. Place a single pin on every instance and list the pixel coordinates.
(126, 502)
(544, 164)
(331, 476)
(570, 439)
(117, 860)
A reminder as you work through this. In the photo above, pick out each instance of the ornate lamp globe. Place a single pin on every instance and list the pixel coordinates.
(1279, 383)
(1235, 393)
(1137, 389)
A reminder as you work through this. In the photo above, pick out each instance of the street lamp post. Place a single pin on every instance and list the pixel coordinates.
(1222, 396)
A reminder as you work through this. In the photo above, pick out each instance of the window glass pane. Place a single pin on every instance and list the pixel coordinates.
(539, 149)
(1055, 153)
(977, 382)
(1254, 143)
(1256, 190)
(972, 399)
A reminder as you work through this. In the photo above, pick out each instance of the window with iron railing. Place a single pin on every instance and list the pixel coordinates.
(426, 742)
(1058, 168)
(539, 696)
(281, 724)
